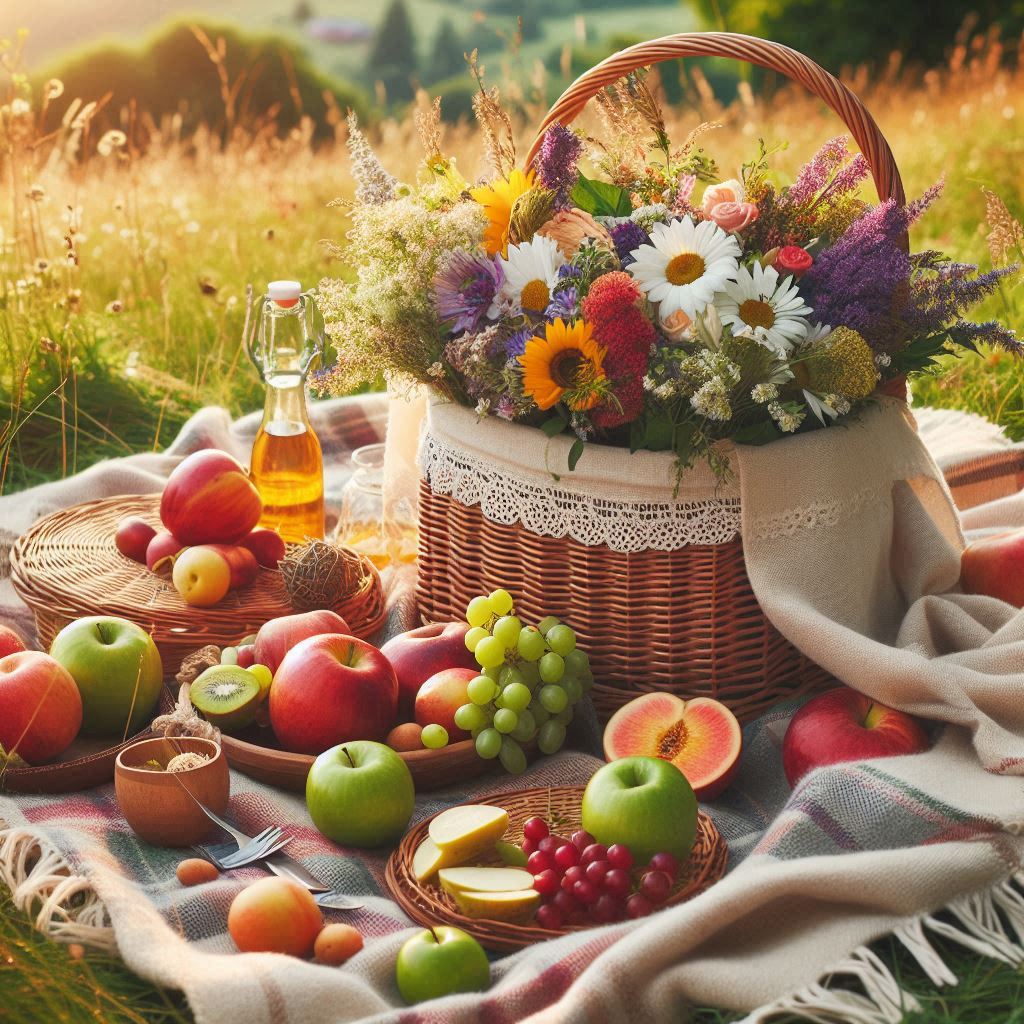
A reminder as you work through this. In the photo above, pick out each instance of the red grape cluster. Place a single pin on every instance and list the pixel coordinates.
(585, 882)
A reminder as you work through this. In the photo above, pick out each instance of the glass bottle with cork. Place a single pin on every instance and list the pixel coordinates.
(287, 464)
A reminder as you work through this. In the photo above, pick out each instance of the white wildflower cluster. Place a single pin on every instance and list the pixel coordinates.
(711, 399)
(841, 405)
(764, 393)
(883, 359)
(374, 185)
(706, 378)
(788, 416)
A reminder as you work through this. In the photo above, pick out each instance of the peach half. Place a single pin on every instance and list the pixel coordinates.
(701, 737)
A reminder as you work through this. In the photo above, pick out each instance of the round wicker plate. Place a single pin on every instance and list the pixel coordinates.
(429, 904)
(67, 566)
(253, 755)
(85, 764)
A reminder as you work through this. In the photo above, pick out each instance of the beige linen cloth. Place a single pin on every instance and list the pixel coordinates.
(853, 549)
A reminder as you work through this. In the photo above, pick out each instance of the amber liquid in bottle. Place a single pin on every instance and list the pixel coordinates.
(287, 465)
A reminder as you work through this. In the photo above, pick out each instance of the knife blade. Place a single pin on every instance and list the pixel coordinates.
(280, 864)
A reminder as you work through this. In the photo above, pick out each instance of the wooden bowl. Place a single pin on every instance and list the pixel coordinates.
(428, 904)
(156, 805)
(255, 755)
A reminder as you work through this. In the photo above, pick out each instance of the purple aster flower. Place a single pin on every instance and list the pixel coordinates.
(556, 163)
(515, 344)
(464, 290)
(627, 236)
(568, 270)
(563, 304)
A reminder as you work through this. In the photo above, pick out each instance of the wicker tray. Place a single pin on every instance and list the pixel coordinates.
(429, 904)
(254, 755)
(85, 764)
(67, 566)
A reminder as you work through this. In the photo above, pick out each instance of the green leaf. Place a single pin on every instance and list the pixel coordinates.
(554, 426)
(600, 198)
(682, 442)
(575, 452)
(757, 433)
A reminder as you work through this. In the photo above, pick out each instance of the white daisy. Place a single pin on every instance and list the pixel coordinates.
(755, 305)
(685, 265)
(531, 271)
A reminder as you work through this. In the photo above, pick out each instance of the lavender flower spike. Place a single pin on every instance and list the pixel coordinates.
(374, 185)
(556, 163)
(465, 288)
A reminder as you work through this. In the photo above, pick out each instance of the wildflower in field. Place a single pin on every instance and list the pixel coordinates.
(760, 306)
(565, 363)
(111, 141)
(53, 89)
(497, 200)
(684, 265)
(115, 306)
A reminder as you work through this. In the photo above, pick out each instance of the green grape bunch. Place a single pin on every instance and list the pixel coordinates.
(531, 678)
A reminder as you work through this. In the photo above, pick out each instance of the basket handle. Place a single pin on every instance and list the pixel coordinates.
(761, 52)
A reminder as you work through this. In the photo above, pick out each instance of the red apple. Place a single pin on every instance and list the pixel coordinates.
(266, 545)
(331, 689)
(161, 550)
(995, 566)
(423, 652)
(845, 725)
(40, 706)
(441, 696)
(278, 636)
(132, 538)
(10, 642)
(209, 499)
(241, 561)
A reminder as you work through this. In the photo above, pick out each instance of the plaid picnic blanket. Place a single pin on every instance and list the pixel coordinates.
(915, 846)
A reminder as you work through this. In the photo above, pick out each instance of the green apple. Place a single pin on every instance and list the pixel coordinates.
(118, 671)
(644, 803)
(360, 794)
(439, 962)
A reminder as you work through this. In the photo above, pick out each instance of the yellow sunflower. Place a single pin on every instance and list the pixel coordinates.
(497, 199)
(565, 363)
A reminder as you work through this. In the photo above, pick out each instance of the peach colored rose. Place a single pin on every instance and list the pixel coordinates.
(568, 228)
(730, 191)
(677, 326)
(733, 216)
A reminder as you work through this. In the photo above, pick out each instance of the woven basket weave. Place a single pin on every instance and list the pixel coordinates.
(66, 566)
(429, 905)
(684, 620)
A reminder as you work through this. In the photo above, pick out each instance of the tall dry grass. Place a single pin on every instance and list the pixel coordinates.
(121, 268)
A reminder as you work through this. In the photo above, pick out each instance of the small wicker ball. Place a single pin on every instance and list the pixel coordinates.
(319, 575)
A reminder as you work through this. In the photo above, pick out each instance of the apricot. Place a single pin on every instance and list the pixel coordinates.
(337, 943)
(405, 737)
(701, 737)
(201, 575)
(196, 871)
(275, 915)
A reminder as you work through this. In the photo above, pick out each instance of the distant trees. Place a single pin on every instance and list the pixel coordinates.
(392, 58)
(447, 57)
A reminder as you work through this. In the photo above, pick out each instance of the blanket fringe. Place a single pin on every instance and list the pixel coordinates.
(62, 905)
(990, 924)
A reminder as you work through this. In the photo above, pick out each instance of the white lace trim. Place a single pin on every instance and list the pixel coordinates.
(551, 511)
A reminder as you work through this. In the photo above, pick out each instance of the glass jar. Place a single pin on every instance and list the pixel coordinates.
(365, 524)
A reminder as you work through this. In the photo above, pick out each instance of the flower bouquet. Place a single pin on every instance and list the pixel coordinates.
(624, 294)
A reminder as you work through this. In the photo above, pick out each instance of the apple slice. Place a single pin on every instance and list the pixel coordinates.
(463, 832)
(499, 906)
(456, 880)
(701, 737)
(428, 860)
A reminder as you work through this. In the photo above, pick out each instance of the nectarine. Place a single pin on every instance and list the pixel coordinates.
(275, 915)
(132, 538)
(441, 696)
(161, 550)
(266, 545)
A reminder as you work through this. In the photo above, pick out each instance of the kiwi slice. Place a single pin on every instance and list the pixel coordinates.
(228, 696)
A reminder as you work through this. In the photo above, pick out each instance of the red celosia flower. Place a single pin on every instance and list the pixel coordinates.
(609, 295)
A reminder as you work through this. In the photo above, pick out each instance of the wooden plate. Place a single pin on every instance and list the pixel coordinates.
(85, 764)
(67, 566)
(428, 904)
(254, 754)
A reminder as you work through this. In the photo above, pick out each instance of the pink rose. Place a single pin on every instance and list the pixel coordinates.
(732, 216)
(730, 191)
(791, 259)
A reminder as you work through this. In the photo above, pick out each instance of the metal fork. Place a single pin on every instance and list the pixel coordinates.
(264, 845)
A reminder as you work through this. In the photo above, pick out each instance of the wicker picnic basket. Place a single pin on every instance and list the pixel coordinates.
(678, 615)
(67, 566)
